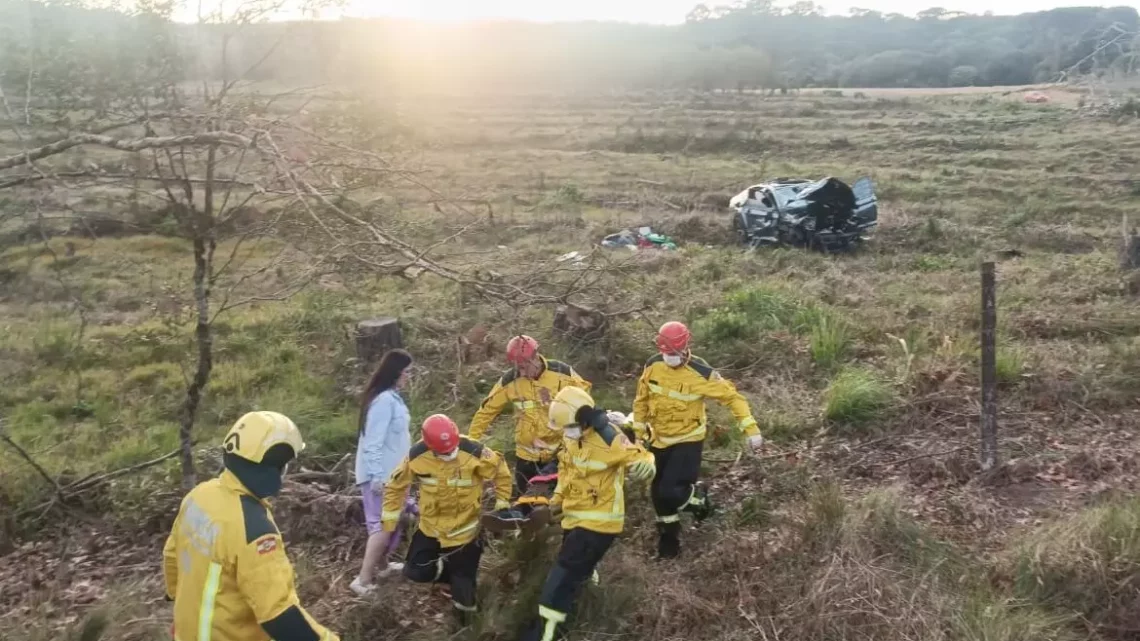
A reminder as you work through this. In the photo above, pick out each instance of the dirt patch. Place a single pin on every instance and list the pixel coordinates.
(703, 229)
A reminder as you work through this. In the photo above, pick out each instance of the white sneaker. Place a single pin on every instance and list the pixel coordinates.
(360, 589)
(393, 568)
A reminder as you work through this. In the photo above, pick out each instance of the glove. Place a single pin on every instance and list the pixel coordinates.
(501, 504)
(641, 470)
(642, 432)
(755, 443)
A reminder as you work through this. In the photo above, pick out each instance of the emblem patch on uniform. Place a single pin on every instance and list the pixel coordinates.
(544, 395)
(267, 545)
(487, 453)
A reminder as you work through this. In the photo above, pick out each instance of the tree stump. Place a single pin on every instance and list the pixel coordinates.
(475, 346)
(581, 323)
(374, 337)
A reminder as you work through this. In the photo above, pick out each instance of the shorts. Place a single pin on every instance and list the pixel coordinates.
(373, 507)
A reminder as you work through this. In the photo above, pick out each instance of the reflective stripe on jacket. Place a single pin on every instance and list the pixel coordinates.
(671, 400)
(530, 401)
(591, 479)
(451, 492)
(226, 569)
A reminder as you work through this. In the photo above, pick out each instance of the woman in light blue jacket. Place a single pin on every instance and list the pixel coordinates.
(383, 441)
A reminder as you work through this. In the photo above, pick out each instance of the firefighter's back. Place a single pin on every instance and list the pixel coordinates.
(214, 522)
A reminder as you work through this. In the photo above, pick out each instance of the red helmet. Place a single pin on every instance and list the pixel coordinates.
(521, 349)
(440, 434)
(673, 338)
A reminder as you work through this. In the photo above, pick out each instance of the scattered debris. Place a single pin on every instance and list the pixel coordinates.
(643, 238)
(575, 256)
(823, 214)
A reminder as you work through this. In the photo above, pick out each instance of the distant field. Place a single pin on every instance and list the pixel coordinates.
(1060, 94)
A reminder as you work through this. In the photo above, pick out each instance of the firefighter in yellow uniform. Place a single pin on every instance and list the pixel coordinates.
(224, 561)
(592, 467)
(451, 471)
(528, 387)
(669, 414)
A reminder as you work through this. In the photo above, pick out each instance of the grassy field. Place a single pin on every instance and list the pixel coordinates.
(867, 519)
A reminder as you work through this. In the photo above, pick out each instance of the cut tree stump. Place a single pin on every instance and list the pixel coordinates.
(581, 323)
(374, 337)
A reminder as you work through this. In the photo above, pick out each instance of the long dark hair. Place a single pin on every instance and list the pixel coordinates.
(391, 367)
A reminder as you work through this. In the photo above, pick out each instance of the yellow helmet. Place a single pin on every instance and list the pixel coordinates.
(564, 408)
(257, 432)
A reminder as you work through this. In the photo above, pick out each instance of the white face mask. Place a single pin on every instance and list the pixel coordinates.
(673, 360)
(449, 457)
(572, 433)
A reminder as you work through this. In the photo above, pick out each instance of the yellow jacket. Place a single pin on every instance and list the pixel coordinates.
(591, 479)
(534, 441)
(226, 570)
(671, 401)
(451, 492)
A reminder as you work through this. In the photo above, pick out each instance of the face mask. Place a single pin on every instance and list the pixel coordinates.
(449, 457)
(572, 433)
(673, 360)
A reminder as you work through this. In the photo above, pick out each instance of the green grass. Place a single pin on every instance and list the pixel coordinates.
(1084, 565)
(829, 343)
(797, 331)
(754, 322)
(856, 398)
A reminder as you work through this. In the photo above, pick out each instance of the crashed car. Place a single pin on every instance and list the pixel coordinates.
(822, 214)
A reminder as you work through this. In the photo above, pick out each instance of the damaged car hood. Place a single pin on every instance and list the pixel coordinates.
(825, 213)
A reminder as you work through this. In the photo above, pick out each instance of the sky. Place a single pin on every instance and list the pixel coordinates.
(665, 11)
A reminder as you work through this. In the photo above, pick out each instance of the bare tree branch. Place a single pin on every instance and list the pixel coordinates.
(137, 144)
(31, 461)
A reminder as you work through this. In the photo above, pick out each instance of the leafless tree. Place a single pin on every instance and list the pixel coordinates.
(254, 189)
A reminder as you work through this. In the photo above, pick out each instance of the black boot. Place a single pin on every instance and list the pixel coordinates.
(668, 540)
(463, 619)
(700, 506)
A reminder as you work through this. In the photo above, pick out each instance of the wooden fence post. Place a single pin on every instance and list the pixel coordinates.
(989, 450)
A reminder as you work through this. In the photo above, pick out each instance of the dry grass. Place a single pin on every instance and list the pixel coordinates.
(812, 340)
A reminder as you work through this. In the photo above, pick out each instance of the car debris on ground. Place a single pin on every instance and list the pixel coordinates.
(642, 238)
(822, 214)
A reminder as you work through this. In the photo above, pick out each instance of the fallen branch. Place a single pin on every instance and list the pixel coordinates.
(31, 461)
(87, 484)
(933, 454)
(68, 492)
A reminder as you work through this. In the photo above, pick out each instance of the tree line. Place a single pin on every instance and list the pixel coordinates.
(751, 44)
